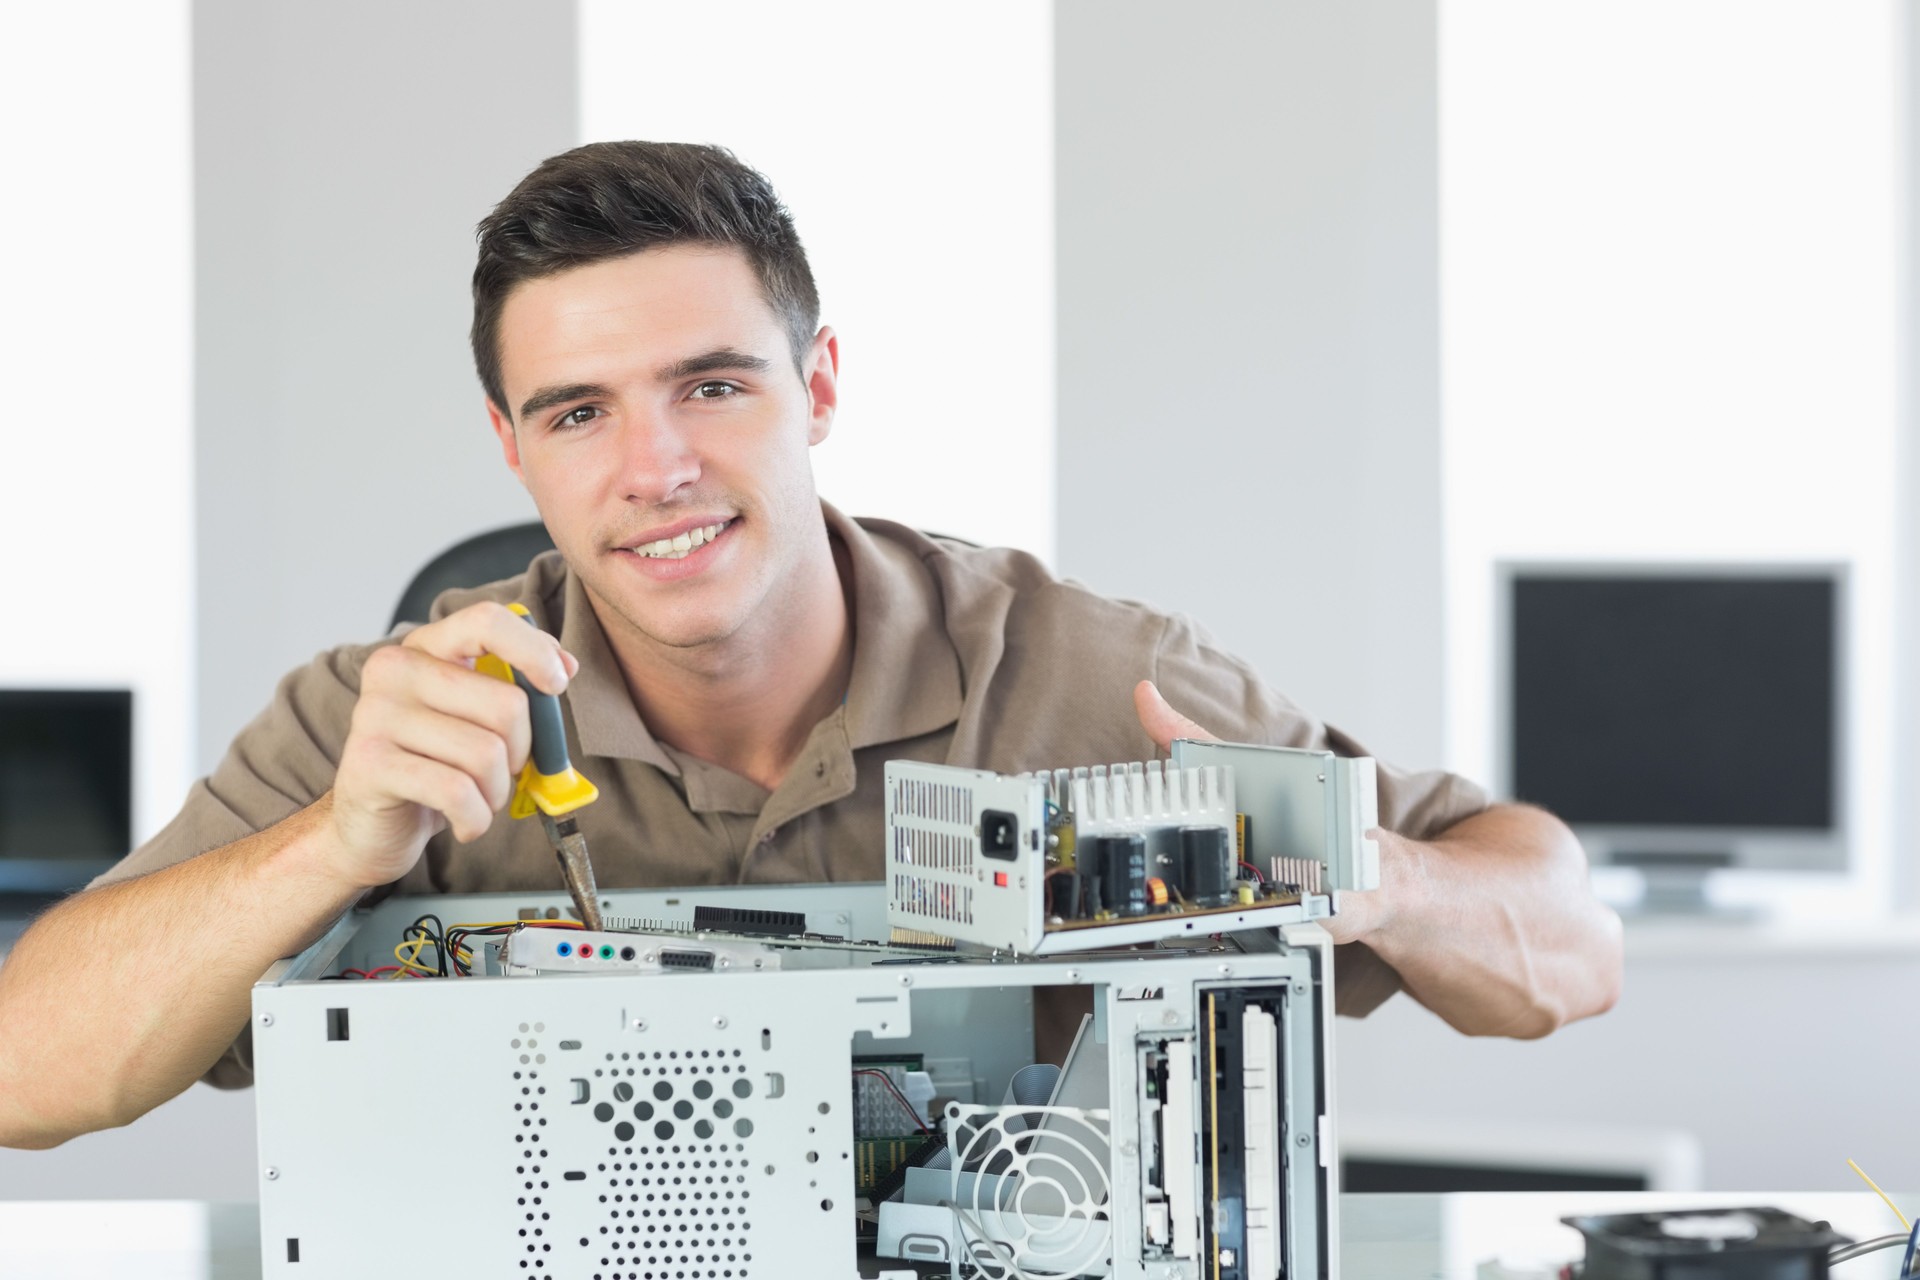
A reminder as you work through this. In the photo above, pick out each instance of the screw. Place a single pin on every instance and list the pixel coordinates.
(1073, 975)
(1170, 1017)
(639, 1024)
(266, 1019)
(646, 957)
(724, 963)
(720, 1022)
(1304, 1140)
(1226, 971)
(906, 980)
(273, 1174)
(1299, 988)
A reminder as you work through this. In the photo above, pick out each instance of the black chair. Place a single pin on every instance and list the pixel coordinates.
(483, 558)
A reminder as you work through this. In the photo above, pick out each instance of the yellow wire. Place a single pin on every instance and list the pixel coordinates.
(413, 961)
(1883, 1195)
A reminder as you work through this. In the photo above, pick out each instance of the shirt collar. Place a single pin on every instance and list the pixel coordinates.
(906, 675)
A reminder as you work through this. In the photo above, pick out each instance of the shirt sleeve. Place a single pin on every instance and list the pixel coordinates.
(1223, 694)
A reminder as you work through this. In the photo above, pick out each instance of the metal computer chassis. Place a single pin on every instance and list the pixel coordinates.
(698, 1124)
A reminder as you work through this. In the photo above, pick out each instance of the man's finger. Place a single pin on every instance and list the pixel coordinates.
(1162, 723)
(495, 629)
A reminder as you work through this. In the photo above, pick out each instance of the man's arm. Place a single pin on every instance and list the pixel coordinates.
(1491, 924)
(123, 996)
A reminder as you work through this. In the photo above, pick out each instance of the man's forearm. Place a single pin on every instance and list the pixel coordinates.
(123, 996)
(1493, 924)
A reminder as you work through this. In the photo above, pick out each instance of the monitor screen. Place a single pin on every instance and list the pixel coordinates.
(66, 782)
(1669, 700)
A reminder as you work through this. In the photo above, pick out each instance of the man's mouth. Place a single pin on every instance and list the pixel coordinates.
(682, 545)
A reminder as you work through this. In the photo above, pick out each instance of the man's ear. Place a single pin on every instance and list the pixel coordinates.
(509, 443)
(823, 383)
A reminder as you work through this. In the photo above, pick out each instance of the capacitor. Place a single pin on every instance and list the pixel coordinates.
(1207, 866)
(1123, 874)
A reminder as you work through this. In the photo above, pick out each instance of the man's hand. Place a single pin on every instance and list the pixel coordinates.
(1162, 723)
(433, 743)
(1491, 924)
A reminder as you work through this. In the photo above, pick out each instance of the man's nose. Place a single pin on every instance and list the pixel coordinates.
(658, 460)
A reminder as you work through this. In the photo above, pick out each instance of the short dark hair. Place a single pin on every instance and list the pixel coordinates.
(610, 199)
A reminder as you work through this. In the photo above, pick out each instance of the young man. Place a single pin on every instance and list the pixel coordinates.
(739, 661)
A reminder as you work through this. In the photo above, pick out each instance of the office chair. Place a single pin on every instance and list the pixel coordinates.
(483, 558)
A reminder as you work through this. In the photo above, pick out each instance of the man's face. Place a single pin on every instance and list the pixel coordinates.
(658, 422)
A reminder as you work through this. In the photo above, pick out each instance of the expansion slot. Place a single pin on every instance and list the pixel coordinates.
(1179, 1150)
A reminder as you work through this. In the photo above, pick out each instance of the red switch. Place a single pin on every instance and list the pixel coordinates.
(999, 879)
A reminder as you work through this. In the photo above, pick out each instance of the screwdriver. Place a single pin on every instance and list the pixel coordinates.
(550, 786)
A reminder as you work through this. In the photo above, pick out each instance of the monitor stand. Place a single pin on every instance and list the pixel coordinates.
(1676, 884)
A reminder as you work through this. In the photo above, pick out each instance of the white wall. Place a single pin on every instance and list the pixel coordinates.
(1670, 246)
(1249, 339)
(345, 152)
(96, 330)
(914, 145)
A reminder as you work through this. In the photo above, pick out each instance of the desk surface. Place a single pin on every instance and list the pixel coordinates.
(1383, 1237)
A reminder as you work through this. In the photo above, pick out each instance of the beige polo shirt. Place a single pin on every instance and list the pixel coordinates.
(962, 655)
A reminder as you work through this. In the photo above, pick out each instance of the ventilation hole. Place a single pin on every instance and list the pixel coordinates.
(623, 1092)
(827, 1205)
(683, 1109)
(336, 1024)
(703, 1089)
(703, 1128)
(569, 1044)
(293, 1248)
(663, 1130)
(722, 1108)
(742, 1087)
(743, 1127)
(575, 1175)
(766, 1038)
(663, 1091)
(623, 1131)
(603, 1112)
(643, 1110)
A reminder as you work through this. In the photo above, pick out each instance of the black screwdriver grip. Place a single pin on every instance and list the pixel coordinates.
(549, 732)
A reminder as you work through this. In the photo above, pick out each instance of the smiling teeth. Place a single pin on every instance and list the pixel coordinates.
(680, 547)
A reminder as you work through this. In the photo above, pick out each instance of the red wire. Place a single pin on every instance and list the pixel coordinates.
(887, 1080)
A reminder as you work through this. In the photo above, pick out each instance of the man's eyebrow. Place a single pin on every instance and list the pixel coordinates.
(715, 361)
(548, 397)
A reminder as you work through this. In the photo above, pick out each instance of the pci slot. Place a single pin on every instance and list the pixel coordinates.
(1179, 1150)
(1260, 1053)
(1242, 1224)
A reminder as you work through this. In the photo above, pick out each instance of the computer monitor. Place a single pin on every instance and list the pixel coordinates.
(1679, 716)
(66, 786)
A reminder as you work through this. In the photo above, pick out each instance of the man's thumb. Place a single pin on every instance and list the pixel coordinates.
(1162, 723)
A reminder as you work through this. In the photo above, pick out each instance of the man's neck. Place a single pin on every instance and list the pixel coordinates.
(750, 703)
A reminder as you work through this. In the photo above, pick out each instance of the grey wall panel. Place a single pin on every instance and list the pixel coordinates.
(344, 153)
(1249, 338)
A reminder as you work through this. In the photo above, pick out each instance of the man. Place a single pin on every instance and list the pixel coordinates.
(739, 659)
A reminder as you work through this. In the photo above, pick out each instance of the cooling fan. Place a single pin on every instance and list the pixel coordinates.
(1029, 1190)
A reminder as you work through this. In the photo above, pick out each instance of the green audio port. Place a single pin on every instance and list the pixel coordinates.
(606, 951)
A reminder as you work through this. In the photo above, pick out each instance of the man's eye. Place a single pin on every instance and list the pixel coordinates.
(715, 391)
(577, 417)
